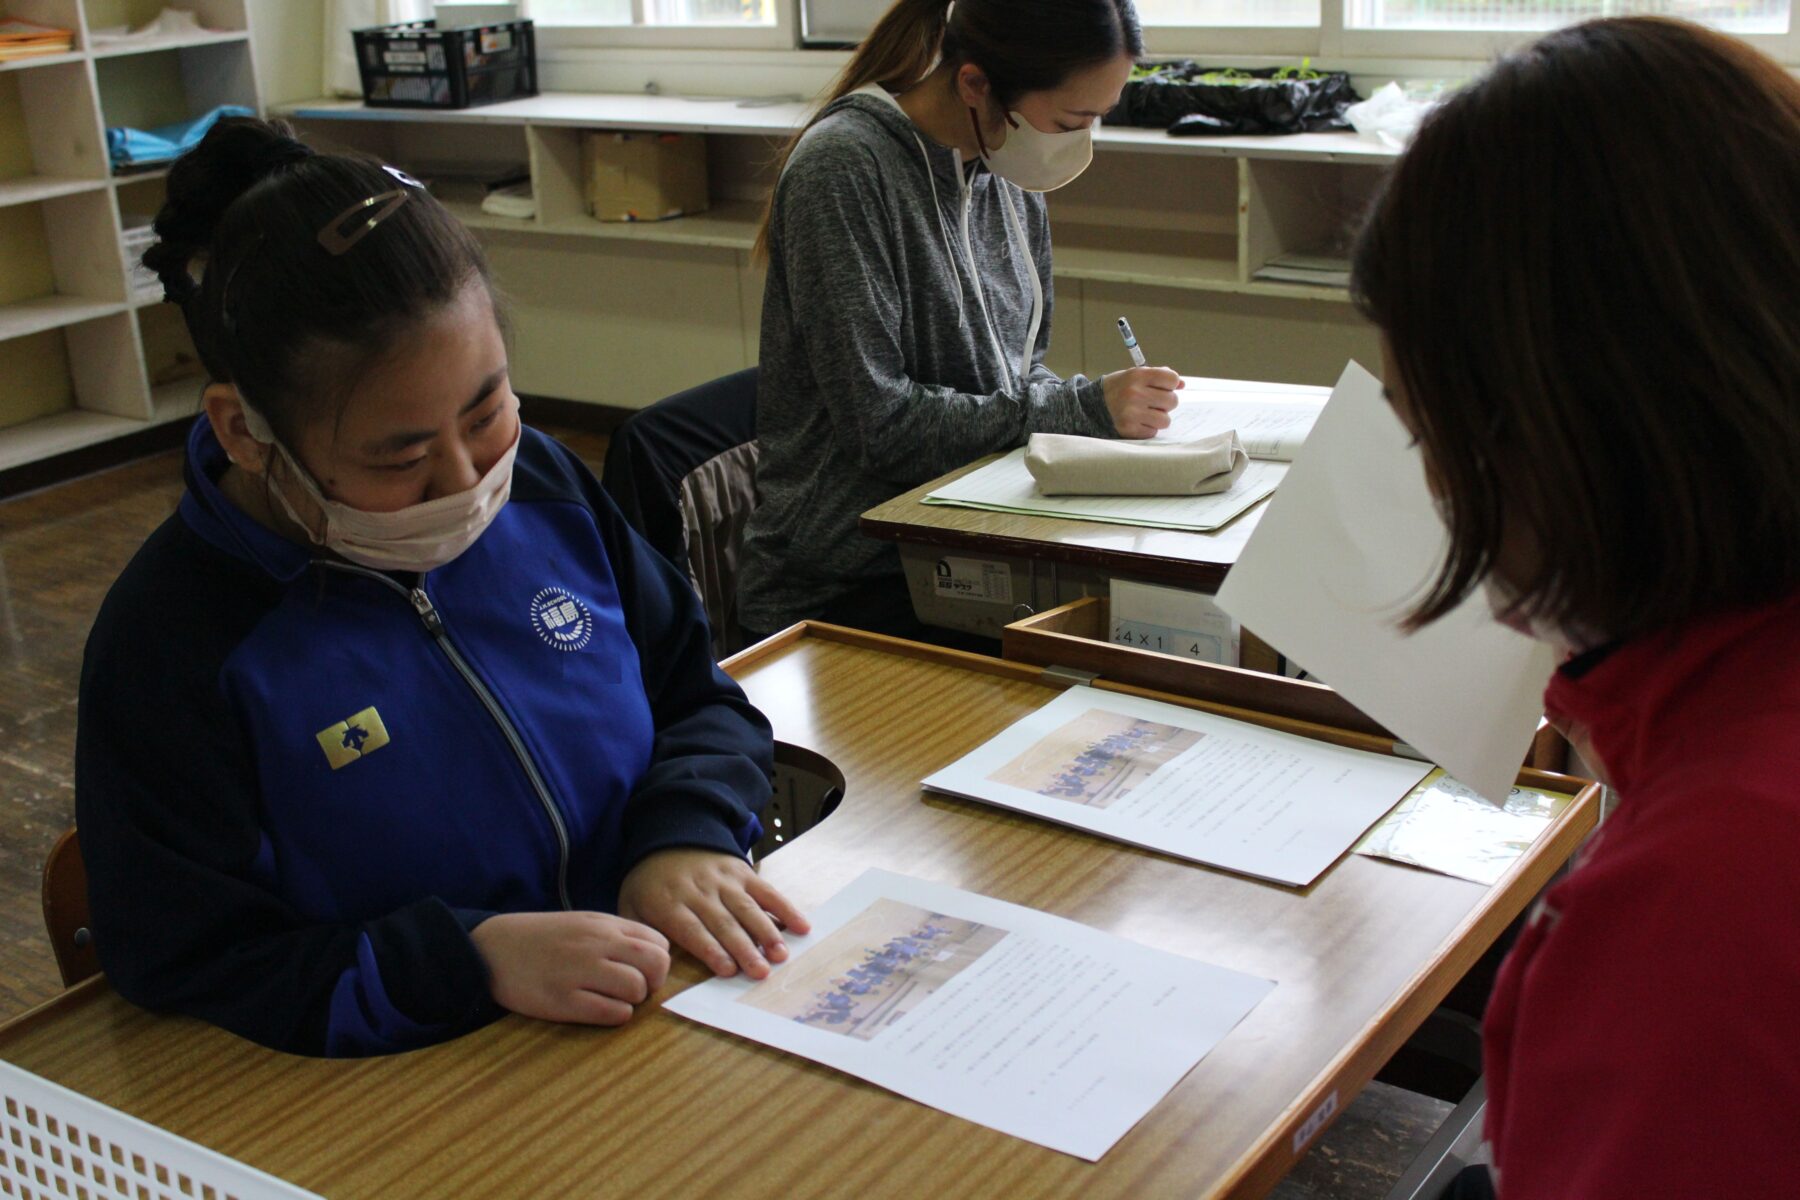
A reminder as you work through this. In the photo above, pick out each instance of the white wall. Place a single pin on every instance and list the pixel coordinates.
(287, 37)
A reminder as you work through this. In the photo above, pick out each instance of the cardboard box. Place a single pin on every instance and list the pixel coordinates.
(644, 176)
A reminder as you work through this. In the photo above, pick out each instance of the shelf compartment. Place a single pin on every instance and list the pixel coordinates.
(148, 91)
(60, 252)
(220, 20)
(1302, 208)
(1157, 193)
(163, 45)
(36, 369)
(70, 387)
(63, 15)
(558, 181)
(48, 127)
(169, 355)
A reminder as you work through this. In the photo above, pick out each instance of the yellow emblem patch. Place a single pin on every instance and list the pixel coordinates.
(352, 738)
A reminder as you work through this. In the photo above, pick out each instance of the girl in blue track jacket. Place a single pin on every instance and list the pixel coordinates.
(380, 728)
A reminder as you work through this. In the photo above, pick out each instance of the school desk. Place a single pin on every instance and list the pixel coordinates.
(1047, 561)
(664, 1107)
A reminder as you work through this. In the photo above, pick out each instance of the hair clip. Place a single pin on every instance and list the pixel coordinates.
(355, 223)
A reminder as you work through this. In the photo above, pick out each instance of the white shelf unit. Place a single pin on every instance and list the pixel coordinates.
(82, 359)
(1170, 231)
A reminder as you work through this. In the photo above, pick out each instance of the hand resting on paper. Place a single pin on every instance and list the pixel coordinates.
(1141, 399)
(583, 967)
(715, 906)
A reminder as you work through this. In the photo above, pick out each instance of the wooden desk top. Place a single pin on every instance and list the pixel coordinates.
(1192, 560)
(665, 1107)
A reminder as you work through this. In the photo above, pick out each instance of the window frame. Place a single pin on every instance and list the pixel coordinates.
(1331, 41)
(784, 34)
(1483, 46)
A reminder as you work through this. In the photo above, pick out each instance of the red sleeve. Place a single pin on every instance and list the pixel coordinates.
(1653, 1048)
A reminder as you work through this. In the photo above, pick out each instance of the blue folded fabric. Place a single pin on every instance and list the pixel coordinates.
(138, 147)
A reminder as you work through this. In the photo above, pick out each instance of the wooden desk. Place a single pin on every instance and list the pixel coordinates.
(1050, 560)
(1197, 561)
(664, 1107)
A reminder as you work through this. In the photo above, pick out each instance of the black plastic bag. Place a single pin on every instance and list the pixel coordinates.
(1194, 101)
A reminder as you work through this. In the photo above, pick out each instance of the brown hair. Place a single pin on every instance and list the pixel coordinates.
(1587, 270)
(1020, 45)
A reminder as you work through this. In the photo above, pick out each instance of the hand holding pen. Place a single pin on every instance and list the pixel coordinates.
(1141, 399)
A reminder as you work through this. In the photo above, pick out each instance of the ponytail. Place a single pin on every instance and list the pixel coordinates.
(1021, 45)
(898, 53)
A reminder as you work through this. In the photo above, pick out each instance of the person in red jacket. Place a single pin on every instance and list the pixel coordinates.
(1586, 270)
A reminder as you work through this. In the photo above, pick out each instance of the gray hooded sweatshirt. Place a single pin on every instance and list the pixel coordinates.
(897, 345)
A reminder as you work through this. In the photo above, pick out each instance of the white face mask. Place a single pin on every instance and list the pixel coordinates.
(420, 538)
(1037, 161)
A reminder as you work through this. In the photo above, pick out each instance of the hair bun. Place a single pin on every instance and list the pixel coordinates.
(236, 154)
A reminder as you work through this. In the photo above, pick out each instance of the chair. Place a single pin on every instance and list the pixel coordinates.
(66, 911)
(807, 788)
(683, 472)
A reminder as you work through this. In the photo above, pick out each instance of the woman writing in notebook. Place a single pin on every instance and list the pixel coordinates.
(394, 724)
(1588, 282)
(908, 305)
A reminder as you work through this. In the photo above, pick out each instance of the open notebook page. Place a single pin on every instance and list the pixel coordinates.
(1271, 420)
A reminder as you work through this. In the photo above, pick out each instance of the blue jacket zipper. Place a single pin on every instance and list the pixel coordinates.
(434, 624)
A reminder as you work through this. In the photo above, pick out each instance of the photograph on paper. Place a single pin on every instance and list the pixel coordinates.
(873, 970)
(1028, 1023)
(1097, 758)
(1207, 788)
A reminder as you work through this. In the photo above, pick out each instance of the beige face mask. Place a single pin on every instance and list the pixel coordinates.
(420, 538)
(1037, 161)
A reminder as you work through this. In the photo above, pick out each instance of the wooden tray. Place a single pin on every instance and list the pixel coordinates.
(1076, 636)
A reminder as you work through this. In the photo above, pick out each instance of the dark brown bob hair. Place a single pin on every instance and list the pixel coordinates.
(1587, 271)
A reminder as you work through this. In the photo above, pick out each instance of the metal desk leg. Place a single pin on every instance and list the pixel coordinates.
(1455, 1145)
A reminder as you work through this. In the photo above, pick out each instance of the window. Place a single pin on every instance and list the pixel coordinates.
(1732, 16)
(1277, 30)
(1229, 13)
(718, 13)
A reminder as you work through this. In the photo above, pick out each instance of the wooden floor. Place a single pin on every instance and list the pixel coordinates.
(60, 550)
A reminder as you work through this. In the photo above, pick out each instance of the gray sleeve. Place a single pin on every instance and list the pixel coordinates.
(845, 293)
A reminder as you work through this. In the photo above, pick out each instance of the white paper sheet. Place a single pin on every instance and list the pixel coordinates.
(1270, 427)
(1272, 420)
(1340, 558)
(1027, 1023)
(1005, 485)
(1221, 792)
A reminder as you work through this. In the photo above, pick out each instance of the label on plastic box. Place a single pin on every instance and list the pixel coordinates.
(973, 579)
(494, 41)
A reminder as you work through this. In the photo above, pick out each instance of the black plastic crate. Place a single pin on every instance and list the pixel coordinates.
(421, 66)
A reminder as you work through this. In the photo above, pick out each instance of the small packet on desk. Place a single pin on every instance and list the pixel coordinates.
(1445, 827)
(1068, 465)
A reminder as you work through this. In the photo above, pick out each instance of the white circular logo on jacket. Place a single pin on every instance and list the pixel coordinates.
(561, 620)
